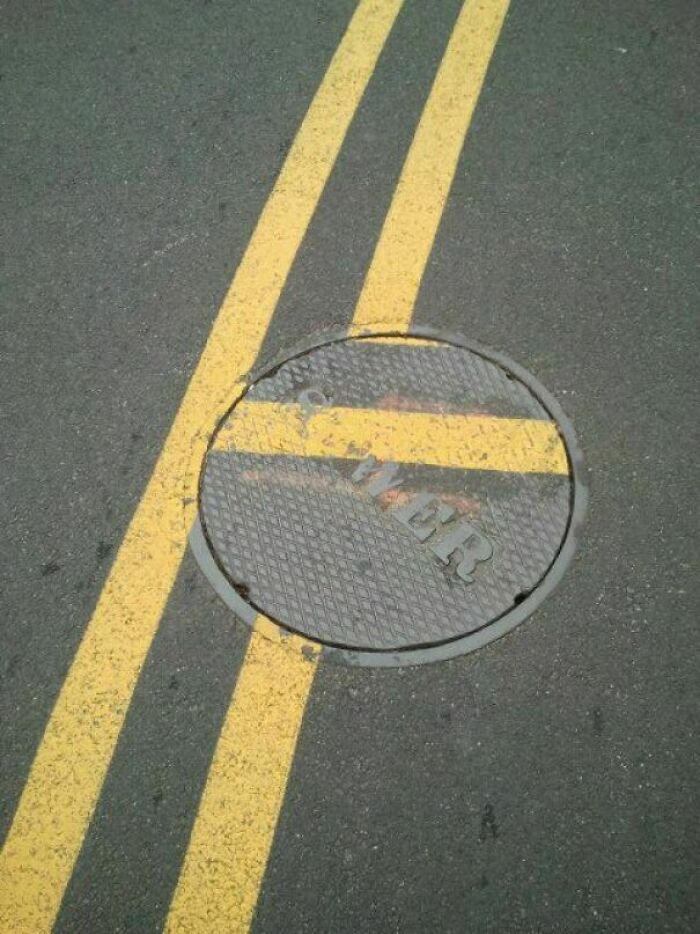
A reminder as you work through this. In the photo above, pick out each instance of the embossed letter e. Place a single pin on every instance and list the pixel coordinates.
(425, 515)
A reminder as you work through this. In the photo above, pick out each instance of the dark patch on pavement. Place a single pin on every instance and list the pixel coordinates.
(489, 826)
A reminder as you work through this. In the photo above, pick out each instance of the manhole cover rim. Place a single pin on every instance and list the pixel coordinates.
(247, 611)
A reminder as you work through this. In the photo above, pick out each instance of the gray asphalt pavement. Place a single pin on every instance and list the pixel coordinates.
(546, 783)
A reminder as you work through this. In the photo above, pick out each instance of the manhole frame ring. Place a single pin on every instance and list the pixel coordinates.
(420, 655)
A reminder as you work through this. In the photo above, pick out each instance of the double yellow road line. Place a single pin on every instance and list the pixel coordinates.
(233, 832)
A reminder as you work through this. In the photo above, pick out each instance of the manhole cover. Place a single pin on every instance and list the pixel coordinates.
(397, 499)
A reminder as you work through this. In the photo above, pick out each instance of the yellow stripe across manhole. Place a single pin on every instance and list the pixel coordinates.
(393, 499)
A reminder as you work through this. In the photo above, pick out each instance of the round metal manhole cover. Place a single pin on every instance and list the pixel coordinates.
(395, 499)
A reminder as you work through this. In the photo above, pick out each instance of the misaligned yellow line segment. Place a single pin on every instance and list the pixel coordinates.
(227, 898)
(69, 768)
(230, 842)
(469, 442)
(392, 283)
(403, 340)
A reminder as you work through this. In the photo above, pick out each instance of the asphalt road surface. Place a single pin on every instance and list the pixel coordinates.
(545, 783)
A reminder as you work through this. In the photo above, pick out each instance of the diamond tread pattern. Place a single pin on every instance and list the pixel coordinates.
(361, 373)
(315, 552)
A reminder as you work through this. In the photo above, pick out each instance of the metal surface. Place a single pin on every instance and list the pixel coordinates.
(387, 495)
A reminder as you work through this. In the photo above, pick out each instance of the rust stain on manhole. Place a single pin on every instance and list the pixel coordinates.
(395, 500)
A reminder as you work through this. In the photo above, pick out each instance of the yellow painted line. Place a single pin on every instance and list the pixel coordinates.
(70, 765)
(469, 442)
(229, 846)
(391, 286)
(403, 340)
(230, 841)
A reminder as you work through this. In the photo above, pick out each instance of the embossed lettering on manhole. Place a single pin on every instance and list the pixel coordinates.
(388, 495)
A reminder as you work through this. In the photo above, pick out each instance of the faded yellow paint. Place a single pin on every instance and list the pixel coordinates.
(391, 286)
(469, 442)
(229, 846)
(402, 339)
(218, 885)
(70, 765)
